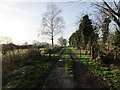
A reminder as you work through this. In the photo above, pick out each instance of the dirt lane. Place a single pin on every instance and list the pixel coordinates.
(83, 78)
(57, 78)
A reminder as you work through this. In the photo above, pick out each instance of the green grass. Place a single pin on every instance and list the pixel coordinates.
(32, 74)
(42, 50)
(68, 66)
(109, 75)
(29, 76)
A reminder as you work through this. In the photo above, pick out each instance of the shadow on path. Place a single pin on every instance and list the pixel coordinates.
(83, 78)
(57, 78)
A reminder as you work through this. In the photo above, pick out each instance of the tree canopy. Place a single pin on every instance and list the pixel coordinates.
(85, 35)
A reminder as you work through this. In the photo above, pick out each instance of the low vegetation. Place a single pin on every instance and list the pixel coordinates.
(109, 75)
(26, 71)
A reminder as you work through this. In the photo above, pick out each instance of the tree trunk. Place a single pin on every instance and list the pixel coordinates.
(52, 41)
(49, 53)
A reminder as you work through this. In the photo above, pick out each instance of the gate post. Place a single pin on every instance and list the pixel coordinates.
(49, 53)
(80, 53)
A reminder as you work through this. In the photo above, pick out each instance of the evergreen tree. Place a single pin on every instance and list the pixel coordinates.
(87, 31)
(86, 35)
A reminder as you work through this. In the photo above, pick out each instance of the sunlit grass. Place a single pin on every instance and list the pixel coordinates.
(110, 76)
(68, 66)
(42, 50)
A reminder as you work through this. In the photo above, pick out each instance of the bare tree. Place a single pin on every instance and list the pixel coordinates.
(111, 9)
(52, 22)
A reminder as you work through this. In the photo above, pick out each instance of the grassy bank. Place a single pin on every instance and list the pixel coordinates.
(110, 76)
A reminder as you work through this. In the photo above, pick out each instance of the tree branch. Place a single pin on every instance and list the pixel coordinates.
(115, 4)
(111, 9)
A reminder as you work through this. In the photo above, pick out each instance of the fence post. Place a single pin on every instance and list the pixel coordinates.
(49, 53)
(80, 53)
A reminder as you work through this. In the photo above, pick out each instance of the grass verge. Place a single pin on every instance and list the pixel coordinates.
(68, 66)
(110, 76)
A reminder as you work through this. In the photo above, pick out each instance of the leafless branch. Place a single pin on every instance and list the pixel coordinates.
(109, 11)
(115, 4)
(52, 23)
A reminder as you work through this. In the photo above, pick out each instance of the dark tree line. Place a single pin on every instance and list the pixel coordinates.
(106, 45)
(86, 36)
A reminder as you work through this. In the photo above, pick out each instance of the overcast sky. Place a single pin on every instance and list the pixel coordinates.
(21, 20)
